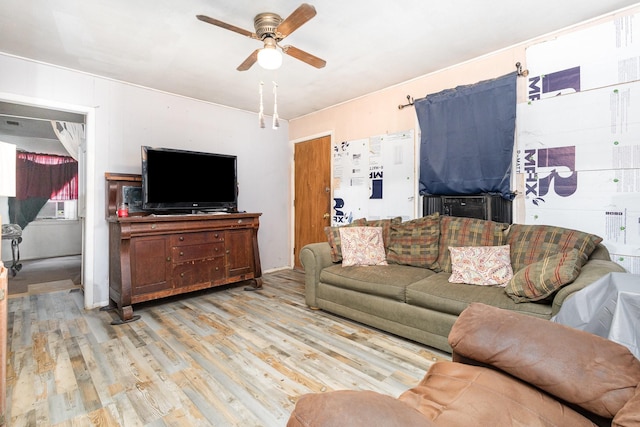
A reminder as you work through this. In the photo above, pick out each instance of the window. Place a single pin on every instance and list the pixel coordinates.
(59, 209)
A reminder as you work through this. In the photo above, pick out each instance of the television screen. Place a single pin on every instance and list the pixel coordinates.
(188, 180)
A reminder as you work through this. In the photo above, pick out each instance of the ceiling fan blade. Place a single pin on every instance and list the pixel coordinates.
(251, 59)
(302, 14)
(304, 56)
(226, 26)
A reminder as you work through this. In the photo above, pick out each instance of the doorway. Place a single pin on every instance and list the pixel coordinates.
(312, 194)
(57, 252)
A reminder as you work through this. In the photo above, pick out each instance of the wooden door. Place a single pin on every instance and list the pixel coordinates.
(312, 203)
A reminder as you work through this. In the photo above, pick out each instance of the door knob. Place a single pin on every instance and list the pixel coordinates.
(326, 216)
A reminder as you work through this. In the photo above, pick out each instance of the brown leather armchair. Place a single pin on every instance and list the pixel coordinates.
(508, 369)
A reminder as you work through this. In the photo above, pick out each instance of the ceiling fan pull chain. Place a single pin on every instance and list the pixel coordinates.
(261, 112)
(276, 123)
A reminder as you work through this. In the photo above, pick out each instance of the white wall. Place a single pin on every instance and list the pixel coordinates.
(122, 117)
(46, 239)
(377, 114)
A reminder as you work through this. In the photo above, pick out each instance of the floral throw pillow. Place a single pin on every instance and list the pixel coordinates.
(333, 237)
(457, 231)
(481, 265)
(362, 246)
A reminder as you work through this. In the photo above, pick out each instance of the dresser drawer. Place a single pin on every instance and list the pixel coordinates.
(197, 238)
(185, 253)
(196, 272)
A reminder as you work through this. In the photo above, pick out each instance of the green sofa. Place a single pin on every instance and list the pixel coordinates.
(412, 296)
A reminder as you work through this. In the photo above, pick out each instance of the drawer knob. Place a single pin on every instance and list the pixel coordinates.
(181, 274)
(216, 235)
(181, 238)
(217, 268)
(168, 258)
(216, 249)
(181, 253)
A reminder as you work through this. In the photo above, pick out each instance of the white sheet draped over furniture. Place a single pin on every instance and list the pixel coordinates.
(610, 308)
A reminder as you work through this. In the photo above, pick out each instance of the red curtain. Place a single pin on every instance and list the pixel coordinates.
(46, 175)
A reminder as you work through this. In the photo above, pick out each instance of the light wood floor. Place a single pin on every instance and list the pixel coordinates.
(45, 274)
(223, 357)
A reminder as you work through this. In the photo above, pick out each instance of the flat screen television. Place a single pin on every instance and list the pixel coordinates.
(188, 181)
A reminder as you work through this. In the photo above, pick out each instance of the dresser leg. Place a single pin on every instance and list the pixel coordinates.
(256, 285)
(122, 322)
(125, 313)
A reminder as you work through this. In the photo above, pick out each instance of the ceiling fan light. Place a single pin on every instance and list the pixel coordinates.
(269, 58)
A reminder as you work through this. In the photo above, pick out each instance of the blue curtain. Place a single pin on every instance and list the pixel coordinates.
(467, 138)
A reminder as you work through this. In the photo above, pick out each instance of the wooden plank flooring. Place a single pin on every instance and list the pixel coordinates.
(223, 357)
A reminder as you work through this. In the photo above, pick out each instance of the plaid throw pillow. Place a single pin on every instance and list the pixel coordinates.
(532, 243)
(457, 231)
(541, 279)
(415, 242)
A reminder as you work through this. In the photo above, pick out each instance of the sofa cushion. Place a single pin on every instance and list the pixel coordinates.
(541, 279)
(362, 246)
(532, 243)
(387, 281)
(438, 294)
(456, 231)
(415, 242)
(578, 367)
(354, 408)
(481, 265)
(629, 415)
(453, 394)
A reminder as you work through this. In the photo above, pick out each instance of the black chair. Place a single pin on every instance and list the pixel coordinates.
(13, 232)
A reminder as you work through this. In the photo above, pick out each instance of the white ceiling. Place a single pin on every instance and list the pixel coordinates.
(368, 45)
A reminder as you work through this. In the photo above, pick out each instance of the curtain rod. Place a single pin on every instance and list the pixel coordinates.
(410, 100)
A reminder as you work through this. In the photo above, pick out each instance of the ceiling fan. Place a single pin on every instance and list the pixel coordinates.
(271, 29)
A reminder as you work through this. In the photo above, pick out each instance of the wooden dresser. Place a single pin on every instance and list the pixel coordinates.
(156, 256)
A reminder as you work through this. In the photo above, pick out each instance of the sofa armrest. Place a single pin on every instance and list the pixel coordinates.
(314, 257)
(580, 368)
(629, 415)
(600, 252)
(593, 270)
(354, 409)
